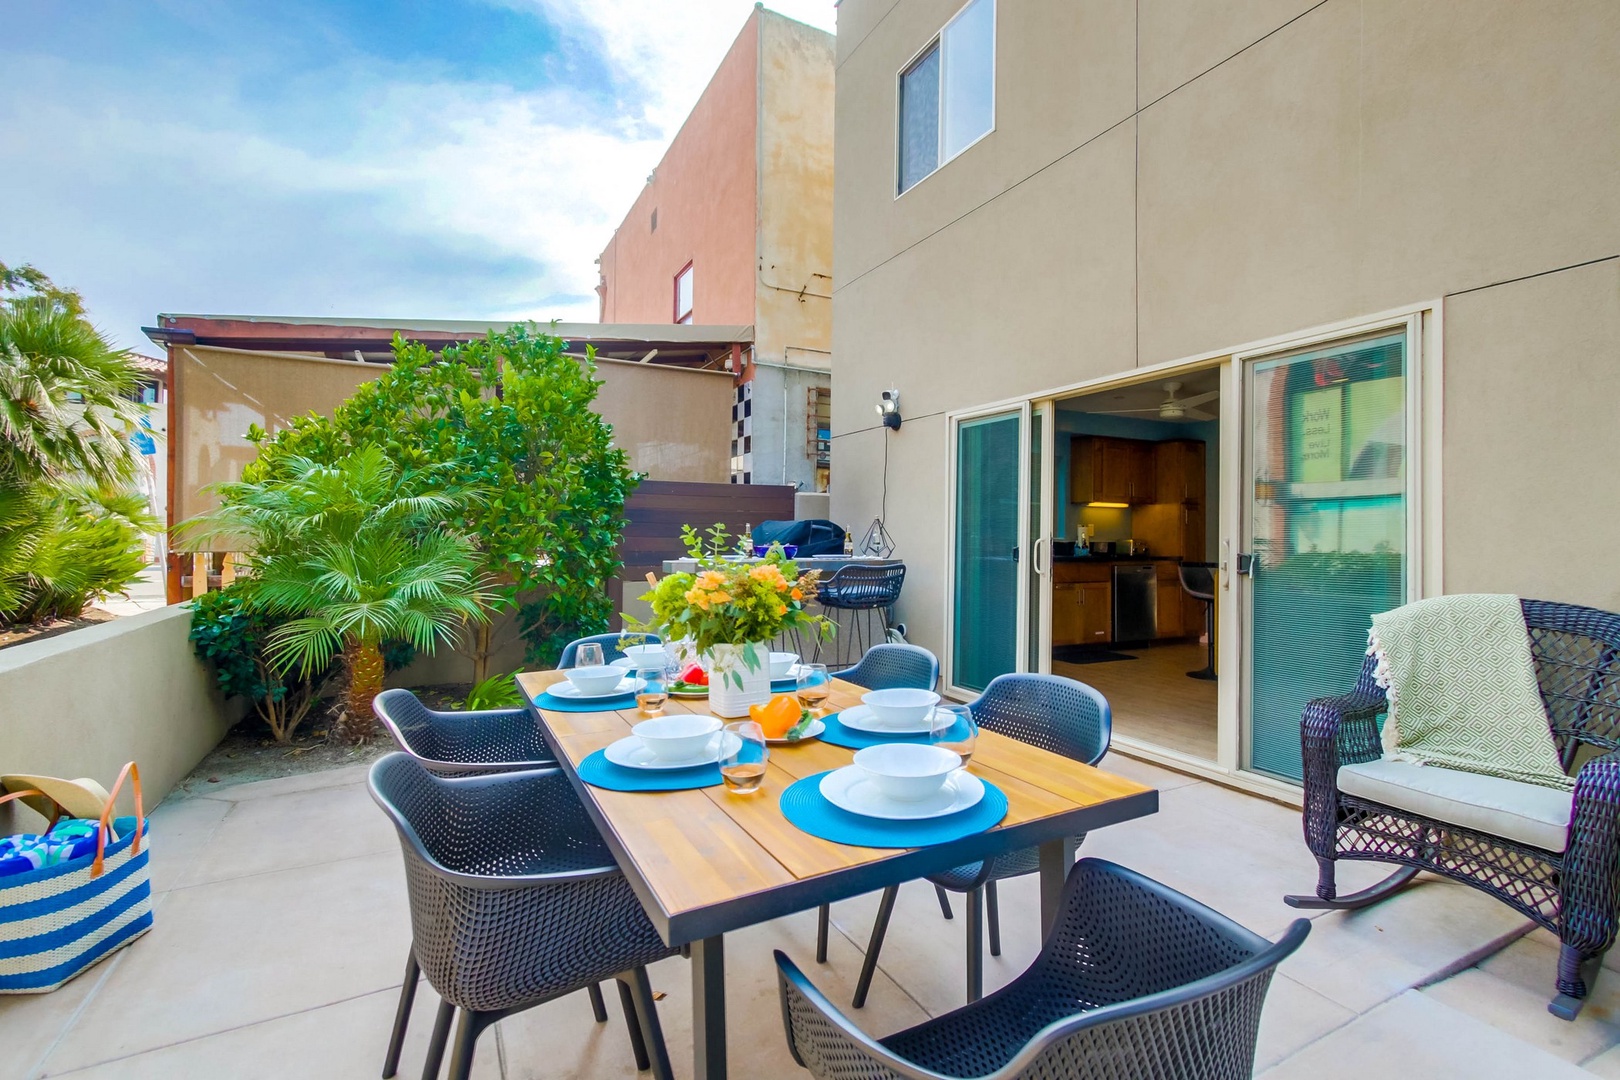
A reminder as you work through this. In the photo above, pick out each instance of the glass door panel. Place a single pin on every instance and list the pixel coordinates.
(987, 607)
(1326, 506)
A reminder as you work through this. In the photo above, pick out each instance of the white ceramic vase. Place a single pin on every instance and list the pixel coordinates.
(727, 665)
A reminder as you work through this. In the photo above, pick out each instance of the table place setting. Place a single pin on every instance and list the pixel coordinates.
(675, 753)
(592, 688)
(900, 715)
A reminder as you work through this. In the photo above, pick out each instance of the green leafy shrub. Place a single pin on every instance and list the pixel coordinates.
(65, 545)
(495, 692)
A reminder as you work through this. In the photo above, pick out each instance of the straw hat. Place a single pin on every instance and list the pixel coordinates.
(81, 798)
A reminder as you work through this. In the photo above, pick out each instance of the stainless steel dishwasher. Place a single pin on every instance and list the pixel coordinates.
(1136, 603)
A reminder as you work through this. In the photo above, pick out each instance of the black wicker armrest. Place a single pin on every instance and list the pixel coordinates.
(1591, 879)
(1334, 731)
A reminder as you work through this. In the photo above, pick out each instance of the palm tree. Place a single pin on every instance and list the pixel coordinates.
(352, 554)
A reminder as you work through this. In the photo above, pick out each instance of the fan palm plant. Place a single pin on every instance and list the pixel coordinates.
(352, 554)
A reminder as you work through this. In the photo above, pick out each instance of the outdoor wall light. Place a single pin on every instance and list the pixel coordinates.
(888, 409)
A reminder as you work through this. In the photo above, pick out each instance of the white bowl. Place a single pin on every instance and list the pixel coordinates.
(676, 738)
(907, 772)
(782, 664)
(900, 707)
(594, 681)
(646, 656)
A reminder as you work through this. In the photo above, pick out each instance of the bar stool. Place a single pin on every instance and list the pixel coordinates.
(1198, 579)
(867, 592)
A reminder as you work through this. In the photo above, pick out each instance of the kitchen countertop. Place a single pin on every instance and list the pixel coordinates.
(1115, 558)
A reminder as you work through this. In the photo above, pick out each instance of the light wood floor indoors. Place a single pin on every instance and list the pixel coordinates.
(1152, 698)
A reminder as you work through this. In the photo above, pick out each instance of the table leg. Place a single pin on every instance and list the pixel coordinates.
(1056, 858)
(709, 1008)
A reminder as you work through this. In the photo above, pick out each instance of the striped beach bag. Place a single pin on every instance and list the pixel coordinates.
(56, 921)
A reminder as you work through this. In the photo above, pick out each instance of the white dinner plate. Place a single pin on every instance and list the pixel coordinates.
(632, 753)
(565, 690)
(861, 718)
(851, 789)
(816, 728)
(624, 663)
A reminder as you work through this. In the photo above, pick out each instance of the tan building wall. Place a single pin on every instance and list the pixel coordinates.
(670, 421)
(1166, 180)
(704, 193)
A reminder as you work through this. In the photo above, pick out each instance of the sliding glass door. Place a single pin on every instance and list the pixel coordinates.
(990, 532)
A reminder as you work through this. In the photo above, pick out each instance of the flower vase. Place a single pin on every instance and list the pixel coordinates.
(730, 663)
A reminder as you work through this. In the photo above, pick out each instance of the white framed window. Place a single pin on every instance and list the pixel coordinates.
(683, 294)
(947, 94)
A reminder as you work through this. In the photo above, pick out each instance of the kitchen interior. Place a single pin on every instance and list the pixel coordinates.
(1135, 516)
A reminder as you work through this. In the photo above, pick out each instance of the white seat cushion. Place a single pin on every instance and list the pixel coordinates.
(1528, 813)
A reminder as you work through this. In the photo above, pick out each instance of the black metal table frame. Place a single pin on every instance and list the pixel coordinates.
(703, 930)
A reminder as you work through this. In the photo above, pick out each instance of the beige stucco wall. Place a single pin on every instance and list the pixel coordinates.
(85, 702)
(673, 422)
(793, 318)
(1183, 182)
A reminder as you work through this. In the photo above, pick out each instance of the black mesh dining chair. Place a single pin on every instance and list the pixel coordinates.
(1134, 982)
(515, 901)
(612, 646)
(456, 743)
(1059, 715)
(867, 592)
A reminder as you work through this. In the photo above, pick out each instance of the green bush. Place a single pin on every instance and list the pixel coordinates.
(65, 545)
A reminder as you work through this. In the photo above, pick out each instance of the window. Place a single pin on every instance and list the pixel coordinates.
(683, 294)
(948, 94)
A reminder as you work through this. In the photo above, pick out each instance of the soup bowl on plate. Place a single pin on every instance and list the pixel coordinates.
(676, 738)
(782, 664)
(907, 772)
(646, 656)
(900, 707)
(595, 681)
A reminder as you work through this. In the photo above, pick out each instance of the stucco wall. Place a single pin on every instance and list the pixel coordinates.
(85, 702)
(704, 191)
(1185, 182)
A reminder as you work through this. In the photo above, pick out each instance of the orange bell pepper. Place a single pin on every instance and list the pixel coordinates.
(777, 716)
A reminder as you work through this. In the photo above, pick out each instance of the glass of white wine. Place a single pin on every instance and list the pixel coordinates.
(654, 690)
(589, 655)
(813, 687)
(742, 766)
(952, 727)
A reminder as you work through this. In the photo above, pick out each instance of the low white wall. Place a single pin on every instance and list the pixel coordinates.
(85, 702)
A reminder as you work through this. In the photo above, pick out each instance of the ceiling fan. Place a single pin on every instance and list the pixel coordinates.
(1172, 407)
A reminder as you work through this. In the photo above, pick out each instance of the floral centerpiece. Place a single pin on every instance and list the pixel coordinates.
(729, 610)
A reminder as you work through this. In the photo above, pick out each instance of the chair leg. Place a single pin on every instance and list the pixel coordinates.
(441, 1033)
(402, 1017)
(823, 917)
(975, 945)
(652, 1032)
(875, 945)
(598, 1006)
(993, 912)
(944, 901)
(461, 1056)
(1575, 979)
(1356, 900)
(638, 1045)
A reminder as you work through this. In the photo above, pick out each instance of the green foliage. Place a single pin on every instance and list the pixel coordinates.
(509, 415)
(64, 545)
(495, 692)
(230, 634)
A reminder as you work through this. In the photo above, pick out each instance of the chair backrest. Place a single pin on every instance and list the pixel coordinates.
(1198, 578)
(1063, 716)
(1577, 655)
(611, 646)
(862, 585)
(493, 740)
(886, 667)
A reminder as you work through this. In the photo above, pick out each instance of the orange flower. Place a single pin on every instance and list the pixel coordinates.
(798, 594)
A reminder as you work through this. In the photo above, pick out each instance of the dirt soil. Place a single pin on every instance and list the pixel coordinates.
(248, 753)
(16, 635)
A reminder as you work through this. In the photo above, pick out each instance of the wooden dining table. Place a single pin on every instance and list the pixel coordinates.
(706, 861)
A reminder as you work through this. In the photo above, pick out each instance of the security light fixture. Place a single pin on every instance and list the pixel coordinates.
(888, 409)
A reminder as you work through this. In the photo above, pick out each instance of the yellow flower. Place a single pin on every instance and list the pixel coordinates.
(720, 598)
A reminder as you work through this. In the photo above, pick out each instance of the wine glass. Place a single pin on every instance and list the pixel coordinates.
(952, 727)
(813, 687)
(588, 655)
(654, 690)
(742, 766)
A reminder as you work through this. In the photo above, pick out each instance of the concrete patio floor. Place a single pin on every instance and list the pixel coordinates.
(281, 932)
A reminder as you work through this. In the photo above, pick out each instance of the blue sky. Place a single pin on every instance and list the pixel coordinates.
(434, 159)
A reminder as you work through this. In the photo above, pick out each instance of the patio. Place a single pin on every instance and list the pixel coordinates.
(281, 931)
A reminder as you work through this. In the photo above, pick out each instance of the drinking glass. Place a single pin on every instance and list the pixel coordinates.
(953, 728)
(813, 687)
(654, 691)
(588, 655)
(743, 768)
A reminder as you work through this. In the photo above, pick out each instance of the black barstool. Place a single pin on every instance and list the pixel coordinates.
(868, 592)
(1198, 578)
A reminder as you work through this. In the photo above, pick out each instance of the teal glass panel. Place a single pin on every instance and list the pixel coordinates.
(985, 616)
(1328, 527)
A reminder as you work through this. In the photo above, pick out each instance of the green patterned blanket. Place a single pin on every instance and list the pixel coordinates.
(1462, 689)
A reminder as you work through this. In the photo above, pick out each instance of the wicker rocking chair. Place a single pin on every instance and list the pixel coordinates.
(1570, 882)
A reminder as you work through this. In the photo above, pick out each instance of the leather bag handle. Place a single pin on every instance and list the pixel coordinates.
(132, 771)
(56, 814)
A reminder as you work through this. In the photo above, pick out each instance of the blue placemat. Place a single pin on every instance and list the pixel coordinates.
(804, 805)
(784, 686)
(850, 739)
(609, 704)
(597, 771)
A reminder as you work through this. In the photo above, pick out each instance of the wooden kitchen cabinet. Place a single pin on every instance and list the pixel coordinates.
(1066, 623)
(1104, 469)
(1178, 470)
(1082, 611)
(1171, 618)
(1096, 612)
